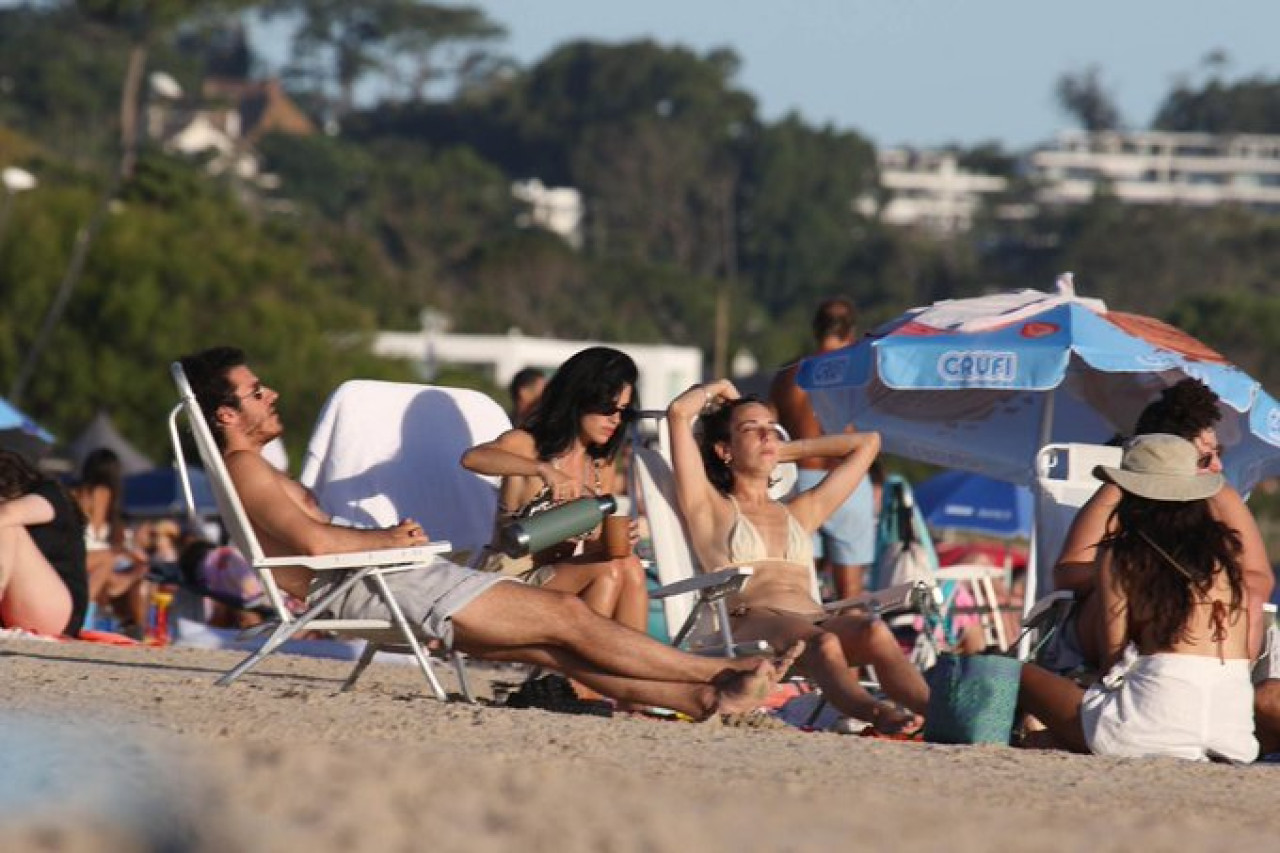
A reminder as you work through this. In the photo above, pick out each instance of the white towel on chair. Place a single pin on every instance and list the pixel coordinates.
(384, 451)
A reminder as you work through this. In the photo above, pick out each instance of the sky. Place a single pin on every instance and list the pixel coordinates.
(927, 73)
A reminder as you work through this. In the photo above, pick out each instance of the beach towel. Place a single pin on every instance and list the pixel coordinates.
(385, 451)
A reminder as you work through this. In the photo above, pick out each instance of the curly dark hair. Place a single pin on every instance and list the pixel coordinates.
(1185, 409)
(588, 383)
(1189, 533)
(713, 429)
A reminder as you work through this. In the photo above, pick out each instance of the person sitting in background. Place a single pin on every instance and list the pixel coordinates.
(117, 571)
(1170, 581)
(722, 482)
(43, 585)
(525, 389)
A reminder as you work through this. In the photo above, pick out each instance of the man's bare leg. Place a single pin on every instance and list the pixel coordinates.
(512, 615)
(516, 622)
(1266, 711)
(733, 691)
(1054, 701)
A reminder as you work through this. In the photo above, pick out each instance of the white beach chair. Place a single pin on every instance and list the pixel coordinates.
(978, 581)
(385, 451)
(1064, 483)
(395, 634)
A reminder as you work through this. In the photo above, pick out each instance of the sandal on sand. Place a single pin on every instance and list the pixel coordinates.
(555, 693)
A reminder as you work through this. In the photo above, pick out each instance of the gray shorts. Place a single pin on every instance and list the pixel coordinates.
(429, 597)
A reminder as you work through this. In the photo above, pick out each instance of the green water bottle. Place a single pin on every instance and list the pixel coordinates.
(553, 526)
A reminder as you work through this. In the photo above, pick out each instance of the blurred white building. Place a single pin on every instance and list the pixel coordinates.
(931, 190)
(1161, 168)
(664, 370)
(557, 209)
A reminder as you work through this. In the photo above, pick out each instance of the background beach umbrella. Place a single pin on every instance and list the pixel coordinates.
(158, 494)
(982, 384)
(21, 434)
(960, 500)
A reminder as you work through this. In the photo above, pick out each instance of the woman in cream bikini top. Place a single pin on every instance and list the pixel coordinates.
(722, 483)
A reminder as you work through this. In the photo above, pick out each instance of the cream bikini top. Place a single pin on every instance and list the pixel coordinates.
(746, 544)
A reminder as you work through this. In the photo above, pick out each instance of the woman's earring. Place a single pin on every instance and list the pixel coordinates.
(728, 457)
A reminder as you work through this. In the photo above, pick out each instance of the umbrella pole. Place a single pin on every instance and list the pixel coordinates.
(1031, 589)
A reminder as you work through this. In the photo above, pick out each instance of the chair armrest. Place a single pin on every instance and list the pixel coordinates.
(731, 580)
(1051, 602)
(911, 597)
(359, 559)
(968, 573)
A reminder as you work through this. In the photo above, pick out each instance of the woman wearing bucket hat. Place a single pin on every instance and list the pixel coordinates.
(1188, 409)
(1170, 581)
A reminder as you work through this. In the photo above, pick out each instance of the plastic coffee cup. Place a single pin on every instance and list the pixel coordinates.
(617, 536)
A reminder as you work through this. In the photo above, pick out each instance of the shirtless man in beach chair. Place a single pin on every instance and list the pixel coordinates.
(479, 613)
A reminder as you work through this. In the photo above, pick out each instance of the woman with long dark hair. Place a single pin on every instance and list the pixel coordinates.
(1176, 622)
(723, 474)
(566, 449)
(43, 587)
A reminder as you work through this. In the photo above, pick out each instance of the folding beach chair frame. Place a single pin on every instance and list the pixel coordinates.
(393, 635)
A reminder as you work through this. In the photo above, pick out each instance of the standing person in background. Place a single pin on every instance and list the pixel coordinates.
(117, 571)
(526, 390)
(845, 544)
(43, 587)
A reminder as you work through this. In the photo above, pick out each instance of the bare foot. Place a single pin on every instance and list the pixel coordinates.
(746, 690)
(889, 719)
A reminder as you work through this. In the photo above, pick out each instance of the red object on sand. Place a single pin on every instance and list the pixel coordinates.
(106, 638)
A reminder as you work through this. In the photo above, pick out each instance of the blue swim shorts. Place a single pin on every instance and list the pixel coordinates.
(848, 537)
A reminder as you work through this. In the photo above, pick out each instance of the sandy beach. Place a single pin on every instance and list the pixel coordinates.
(119, 748)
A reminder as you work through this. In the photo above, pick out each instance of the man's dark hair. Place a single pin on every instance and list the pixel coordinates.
(835, 317)
(207, 372)
(1184, 409)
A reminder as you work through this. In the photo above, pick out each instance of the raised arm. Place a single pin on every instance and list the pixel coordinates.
(25, 511)
(858, 449)
(1259, 581)
(698, 498)
(1074, 569)
(515, 454)
(277, 509)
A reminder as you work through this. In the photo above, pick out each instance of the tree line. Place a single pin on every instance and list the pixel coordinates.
(404, 203)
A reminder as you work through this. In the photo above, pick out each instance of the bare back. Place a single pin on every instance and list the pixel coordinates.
(1213, 628)
(795, 413)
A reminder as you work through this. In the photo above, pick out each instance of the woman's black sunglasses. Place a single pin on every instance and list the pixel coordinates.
(627, 412)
